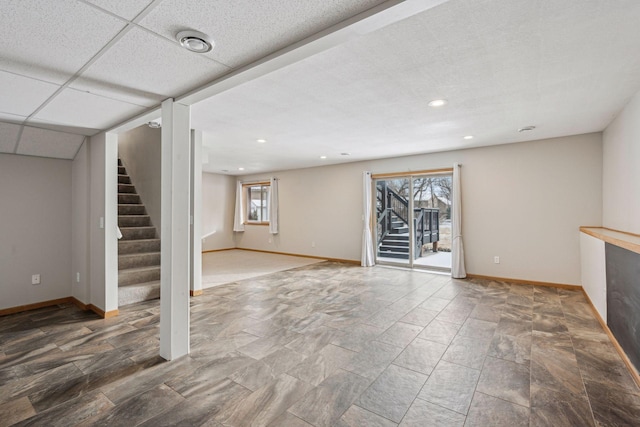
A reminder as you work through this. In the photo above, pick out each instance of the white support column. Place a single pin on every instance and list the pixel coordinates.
(111, 224)
(175, 270)
(196, 212)
(103, 220)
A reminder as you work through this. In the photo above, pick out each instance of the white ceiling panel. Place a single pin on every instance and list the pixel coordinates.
(247, 30)
(128, 9)
(48, 143)
(75, 108)
(146, 68)
(22, 95)
(52, 40)
(8, 137)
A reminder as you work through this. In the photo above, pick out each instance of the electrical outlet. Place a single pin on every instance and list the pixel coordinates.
(35, 279)
(78, 277)
(496, 260)
(313, 244)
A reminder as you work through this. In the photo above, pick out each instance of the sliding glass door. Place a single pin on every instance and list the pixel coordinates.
(413, 221)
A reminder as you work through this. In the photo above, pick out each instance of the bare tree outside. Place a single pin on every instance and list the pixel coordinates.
(435, 193)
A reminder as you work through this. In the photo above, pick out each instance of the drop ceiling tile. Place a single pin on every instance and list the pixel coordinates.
(8, 137)
(52, 40)
(247, 30)
(126, 9)
(75, 108)
(48, 143)
(144, 65)
(22, 95)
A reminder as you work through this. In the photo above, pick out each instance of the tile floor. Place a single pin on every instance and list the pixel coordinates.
(325, 345)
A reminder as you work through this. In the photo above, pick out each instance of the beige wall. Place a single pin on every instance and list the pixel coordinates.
(140, 152)
(523, 202)
(218, 198)
(35, 229)
(621, 170)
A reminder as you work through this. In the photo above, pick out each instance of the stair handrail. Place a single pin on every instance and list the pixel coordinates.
(399, 205)
(388, 202)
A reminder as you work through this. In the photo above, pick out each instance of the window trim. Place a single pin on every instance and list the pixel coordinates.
(245, 199)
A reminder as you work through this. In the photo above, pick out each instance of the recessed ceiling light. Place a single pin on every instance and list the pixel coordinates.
(240, 169)
(468, 137)
(195, 41)
(261, 141)
(526, 129)
(438, 103)
(323, 157)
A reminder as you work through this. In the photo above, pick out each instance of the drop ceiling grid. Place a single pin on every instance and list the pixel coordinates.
(51, 40)
(149, 67)
(128, 9)
(62, 38)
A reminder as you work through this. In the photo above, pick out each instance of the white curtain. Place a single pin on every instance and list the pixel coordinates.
(273, 206)
(367, 241)
(238, 217)
(457, 249)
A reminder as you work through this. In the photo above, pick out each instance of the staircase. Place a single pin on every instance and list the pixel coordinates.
(138, 249)
(395, 244)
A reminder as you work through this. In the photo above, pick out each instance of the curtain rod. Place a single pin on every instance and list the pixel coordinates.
(258, 181)
(412, 173)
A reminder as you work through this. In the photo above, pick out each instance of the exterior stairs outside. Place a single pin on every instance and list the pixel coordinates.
(138, 249)
(396, 243)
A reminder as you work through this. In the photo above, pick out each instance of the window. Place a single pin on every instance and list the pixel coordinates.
(257, 203)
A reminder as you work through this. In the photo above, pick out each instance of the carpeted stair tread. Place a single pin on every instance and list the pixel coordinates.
(138, 292)
(135, 233)
(138, 259)
(138, 246)
(131, 276)
(134, 221)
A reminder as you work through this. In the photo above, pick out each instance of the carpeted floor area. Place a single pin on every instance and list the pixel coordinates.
(233, 265)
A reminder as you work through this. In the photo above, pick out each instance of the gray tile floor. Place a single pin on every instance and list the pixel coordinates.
(325, 345)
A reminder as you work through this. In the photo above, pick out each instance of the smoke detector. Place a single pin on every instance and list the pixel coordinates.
(195, 41)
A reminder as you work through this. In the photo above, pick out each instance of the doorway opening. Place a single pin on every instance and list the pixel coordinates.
(413, 220)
